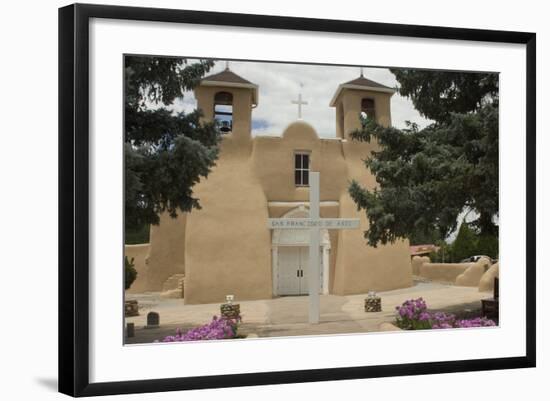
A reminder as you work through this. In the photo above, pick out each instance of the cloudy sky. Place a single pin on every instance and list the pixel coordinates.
(279, 84)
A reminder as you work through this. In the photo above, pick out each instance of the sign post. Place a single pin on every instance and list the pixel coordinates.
(314, 243)
(314, 223)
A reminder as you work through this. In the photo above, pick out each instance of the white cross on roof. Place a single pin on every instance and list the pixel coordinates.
(299, 102)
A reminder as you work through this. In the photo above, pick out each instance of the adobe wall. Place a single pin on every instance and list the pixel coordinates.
(139, 253)
(472, 276)
(417, 262)
(273, 162)
(487, 281)
(445, 272)
(228, 245)
(462, 274)
(167, 253)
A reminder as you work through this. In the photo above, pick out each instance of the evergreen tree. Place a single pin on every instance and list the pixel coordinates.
(421, 237)
(165, 153)
(488, 245)
(465, 244)
(130, 272)
(427, 177)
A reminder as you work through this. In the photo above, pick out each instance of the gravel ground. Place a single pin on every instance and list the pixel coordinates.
(287, 316)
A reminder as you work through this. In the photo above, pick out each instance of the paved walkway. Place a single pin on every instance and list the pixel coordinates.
(287, 316)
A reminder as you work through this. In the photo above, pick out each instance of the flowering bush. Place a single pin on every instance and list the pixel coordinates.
(413, 315)
(218, 329)
(476, 322)
(442, 320)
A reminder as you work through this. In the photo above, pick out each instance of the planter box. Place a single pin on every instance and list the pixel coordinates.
(373, 304)
(230, 311)
(131, 308)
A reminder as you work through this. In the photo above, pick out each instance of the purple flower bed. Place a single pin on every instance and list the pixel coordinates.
(218, 329)
(476, 322)
(414, 315)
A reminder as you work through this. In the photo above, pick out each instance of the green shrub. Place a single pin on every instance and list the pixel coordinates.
(130, 273)
(138, 235)
(443, 255)
(469, 243)
(488, 245)
(465, 244)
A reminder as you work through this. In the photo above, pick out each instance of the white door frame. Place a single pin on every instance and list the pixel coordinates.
(279, 241)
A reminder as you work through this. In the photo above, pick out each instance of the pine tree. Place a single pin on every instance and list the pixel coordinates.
(427, 177)
(130, 272)
(165, 153)
(465, 244)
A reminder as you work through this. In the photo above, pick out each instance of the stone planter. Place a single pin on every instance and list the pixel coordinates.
(131, 308)
(153, 320)
(230, 311)
(373, 304)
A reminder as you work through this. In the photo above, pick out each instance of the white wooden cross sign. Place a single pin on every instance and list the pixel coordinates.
(300, 103)
(314, 223)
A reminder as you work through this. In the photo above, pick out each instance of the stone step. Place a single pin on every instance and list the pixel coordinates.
(174, 282)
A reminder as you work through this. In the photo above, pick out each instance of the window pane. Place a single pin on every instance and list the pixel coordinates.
(305, 161)
(222, 117)
(297, 177)
(305, 177)
(221, 108)
(297, 161)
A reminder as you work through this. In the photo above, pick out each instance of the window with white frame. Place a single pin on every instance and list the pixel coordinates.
(301, 169)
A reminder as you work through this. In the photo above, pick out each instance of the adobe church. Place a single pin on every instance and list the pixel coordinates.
(227, 247)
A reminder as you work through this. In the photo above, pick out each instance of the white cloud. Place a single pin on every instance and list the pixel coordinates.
(279, 84)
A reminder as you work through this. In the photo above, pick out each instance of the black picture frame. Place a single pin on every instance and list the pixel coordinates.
(74, 198)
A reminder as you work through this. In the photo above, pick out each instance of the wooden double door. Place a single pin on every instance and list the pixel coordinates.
(293, 270)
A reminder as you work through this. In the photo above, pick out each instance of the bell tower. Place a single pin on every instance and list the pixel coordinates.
(229, 99)
(361, 96)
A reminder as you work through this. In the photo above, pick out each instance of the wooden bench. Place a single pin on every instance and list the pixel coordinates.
(489, 306)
